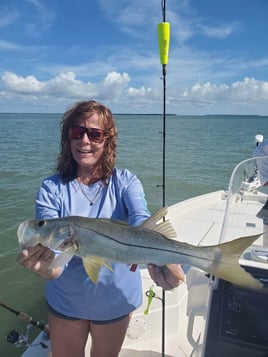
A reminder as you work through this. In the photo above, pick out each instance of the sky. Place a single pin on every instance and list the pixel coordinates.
(54, 53)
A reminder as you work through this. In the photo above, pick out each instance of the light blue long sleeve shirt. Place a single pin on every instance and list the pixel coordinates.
(117, 292)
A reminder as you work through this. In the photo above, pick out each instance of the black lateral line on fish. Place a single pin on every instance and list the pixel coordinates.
(157, 249)
(215, 259)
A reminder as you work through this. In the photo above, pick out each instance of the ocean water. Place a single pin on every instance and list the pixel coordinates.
(201, 153)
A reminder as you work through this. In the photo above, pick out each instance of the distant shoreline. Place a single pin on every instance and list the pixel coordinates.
(149, 114)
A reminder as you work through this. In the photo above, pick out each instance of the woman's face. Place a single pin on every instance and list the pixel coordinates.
(86, 152)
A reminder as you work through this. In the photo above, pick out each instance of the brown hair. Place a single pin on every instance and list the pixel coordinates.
(66, 164)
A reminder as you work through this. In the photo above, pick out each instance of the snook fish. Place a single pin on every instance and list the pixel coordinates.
(98, 241)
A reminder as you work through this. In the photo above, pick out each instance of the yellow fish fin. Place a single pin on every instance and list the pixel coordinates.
(92, 266)
(165, 227)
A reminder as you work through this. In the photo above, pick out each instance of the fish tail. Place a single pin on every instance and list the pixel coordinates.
(228, 268)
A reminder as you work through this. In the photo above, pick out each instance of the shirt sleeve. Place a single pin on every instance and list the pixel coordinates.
(134, 199)
(261, 154)
(47, 204)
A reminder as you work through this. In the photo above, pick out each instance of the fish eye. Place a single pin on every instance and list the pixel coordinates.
(41, 223)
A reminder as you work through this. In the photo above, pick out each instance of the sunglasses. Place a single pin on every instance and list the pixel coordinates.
(93, 134)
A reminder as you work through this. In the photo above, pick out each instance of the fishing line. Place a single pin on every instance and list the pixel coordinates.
(163, 30)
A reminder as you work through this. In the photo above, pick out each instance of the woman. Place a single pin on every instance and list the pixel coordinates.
(87, 184)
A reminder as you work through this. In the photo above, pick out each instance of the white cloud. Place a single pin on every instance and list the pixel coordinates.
(250, 89)
(116, 88)
(247, 90)
(217, 32)
(21, 84)
(117, 78)
(64, 86)
(114, 85)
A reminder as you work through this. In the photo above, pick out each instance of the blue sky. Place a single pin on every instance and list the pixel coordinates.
(56, 52)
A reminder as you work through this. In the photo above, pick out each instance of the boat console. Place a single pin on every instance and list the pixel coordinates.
(237, 323)
(238, 319)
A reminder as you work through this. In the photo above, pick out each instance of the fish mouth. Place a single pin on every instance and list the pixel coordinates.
(26, 236)
(29, 237)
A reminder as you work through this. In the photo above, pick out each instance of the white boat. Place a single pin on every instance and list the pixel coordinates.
(205, 316)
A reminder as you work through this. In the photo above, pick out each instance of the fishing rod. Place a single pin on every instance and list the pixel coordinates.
(163, 31)
(22, 340)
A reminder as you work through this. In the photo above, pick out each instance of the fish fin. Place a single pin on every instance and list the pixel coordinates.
(62, 259)
(92, 266)
(228, 267)
(152, 221)
(165, 227)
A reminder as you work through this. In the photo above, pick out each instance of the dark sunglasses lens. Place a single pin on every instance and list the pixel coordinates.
(76, 132)
(95, 135)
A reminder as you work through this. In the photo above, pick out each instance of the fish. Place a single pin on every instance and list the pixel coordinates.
(100, 241)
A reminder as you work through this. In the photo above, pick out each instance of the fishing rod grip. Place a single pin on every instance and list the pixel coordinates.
(26, 318)
(42, 326)
(163, 32)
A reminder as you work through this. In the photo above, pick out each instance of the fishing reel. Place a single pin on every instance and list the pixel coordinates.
(16, 339)
(22, 340)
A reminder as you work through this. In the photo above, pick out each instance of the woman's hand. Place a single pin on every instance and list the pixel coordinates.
(167, 276)
(38, 259)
